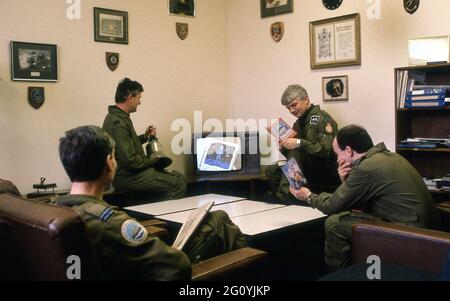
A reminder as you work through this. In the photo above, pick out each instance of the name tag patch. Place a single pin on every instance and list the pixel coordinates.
(314, 119)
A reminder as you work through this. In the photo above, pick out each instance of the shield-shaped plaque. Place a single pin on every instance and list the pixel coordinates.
(182, 30)
(112, 60)
(277, 31)
(36, 97)
(411, 5)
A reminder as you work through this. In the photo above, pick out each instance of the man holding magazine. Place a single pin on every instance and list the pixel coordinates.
(122, 246)
(312, 147)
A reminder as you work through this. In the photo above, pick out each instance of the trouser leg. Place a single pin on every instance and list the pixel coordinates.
(338, 232)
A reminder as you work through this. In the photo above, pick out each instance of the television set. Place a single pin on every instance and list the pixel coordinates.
(225, 154)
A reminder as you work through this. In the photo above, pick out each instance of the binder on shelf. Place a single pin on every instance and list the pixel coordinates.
(425, 103)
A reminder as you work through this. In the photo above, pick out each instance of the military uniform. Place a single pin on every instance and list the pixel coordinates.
(124, 249)
(316, 129)
(381, 186)
(135, 171)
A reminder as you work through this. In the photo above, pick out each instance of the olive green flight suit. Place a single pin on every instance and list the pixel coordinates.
(135, 171)
(315, 156)
(124, 250)
(381, 186)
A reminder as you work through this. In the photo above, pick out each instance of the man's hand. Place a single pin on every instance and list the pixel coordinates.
(150, 131)
(289, 143)
(344, 169)
(302, 194)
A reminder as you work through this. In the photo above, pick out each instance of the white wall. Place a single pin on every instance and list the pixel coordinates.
(260, 69)
(178, 77)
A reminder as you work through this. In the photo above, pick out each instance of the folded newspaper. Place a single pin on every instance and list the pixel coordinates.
(294, 174)
(191, 224)
(281, 130)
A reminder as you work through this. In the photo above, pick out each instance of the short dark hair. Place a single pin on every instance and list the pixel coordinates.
(354, 136)
(127, 87)
(83, 152)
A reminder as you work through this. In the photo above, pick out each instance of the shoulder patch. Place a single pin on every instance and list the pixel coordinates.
(329, 128)
(133, 232)
(314, 119)
(106, 214)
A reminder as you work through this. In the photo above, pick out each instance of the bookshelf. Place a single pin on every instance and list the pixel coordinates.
(430, 122)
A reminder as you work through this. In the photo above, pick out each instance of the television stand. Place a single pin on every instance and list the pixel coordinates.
(250, 186)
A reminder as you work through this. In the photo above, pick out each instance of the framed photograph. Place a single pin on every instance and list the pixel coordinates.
(34, 62)
(271, 8)
(335, 88)
(110, 26)
(182, 7)
(335, 42)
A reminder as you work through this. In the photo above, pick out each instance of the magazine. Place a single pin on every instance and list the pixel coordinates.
(281, 130)
(294, 174)
(191, 224)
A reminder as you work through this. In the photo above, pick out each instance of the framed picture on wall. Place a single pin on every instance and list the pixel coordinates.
(335, 42)
(335, 88)
(110, 26)
(34, 62)
(271, 8)
(182, 7)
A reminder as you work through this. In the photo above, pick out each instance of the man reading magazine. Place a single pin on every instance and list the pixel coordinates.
(122, 246)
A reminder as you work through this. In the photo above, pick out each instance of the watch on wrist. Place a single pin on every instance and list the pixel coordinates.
(298, 142)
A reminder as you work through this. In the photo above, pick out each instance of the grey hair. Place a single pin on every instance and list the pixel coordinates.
(291, 93)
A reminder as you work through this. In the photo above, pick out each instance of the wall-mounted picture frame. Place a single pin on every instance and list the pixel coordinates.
(335, 88)
(271, 8)
(34, 62)
(184, 8)
(335, 42)
(110, 26)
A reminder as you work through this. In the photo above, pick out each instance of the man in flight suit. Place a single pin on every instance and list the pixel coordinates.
(123, 248)
(376, 185)
(136, 172)
(312, 148)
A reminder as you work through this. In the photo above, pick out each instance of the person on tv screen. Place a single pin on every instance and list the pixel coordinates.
(136, 172)
(312, 148)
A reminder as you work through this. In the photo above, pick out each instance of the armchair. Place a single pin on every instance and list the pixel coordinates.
(406, 253)
(37, 238)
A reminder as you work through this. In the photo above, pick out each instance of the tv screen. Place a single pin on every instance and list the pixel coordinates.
(226, 153)
(219, 153)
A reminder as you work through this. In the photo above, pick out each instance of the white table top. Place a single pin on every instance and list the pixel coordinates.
(234, 209)
(184, 204)
(265, 221)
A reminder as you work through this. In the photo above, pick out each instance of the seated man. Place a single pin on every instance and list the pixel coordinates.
(122, 246)
(136, 172)
(312, 148)
(376, 185)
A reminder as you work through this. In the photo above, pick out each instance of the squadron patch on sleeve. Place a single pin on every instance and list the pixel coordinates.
(133, 232)
(314, 119)
(329, 128)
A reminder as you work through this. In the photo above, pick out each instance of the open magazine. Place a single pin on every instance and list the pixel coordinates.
(294, 174)
(191, 224)
(281, 130)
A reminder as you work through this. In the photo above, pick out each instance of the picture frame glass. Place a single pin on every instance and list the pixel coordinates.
(335, 88)
(33, 61)
(271, 8)
(181, 7)
(335, 42)
(111, 26)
